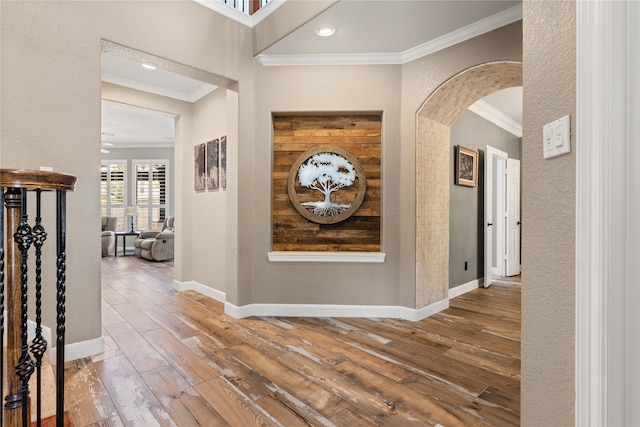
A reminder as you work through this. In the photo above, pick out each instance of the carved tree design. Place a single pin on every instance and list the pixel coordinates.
(327, 173)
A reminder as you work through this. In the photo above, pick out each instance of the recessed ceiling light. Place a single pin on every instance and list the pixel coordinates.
(149, 66)
(103, 151)
(325, 30)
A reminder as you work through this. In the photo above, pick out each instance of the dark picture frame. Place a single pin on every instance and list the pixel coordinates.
(213, 172)
(223, 162)
(199, 167)
(466, 170)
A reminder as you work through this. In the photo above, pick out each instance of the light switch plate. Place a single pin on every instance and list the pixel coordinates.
(556, 137)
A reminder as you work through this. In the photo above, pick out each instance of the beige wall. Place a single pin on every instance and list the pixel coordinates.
(209, 207)
(51, 107)
(63, 38)
(398, 91)
(548, 218)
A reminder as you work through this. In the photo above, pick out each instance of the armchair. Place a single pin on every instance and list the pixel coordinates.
(108, 230)
(156, 245)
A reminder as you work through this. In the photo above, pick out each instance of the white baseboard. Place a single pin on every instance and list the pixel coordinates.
(464, 288)
(199, 287)
(329, 310)
(31, 330)
(80, 349)
(313, 310)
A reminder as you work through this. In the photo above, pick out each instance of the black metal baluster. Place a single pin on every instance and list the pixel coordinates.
(38, 345)
(23, 238)
(61, 230)
(2, 296)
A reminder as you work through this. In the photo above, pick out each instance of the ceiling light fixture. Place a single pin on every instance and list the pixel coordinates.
(325, 30)
(149, 66)
(103, 151)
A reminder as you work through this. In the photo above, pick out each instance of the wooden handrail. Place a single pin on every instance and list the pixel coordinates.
(35, 179)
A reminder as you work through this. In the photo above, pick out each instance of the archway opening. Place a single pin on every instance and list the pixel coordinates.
(433, 167)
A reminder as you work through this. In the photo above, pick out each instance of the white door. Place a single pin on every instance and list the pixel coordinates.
(513, 217)
(494, 161)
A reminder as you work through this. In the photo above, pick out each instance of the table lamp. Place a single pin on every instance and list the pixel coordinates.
(131, 211)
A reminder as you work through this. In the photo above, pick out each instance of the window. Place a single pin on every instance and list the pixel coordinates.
(113, 189)
(150, 189)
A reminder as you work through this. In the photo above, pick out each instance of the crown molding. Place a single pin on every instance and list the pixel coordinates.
(487, 111)
(478, 28)
(278, 60)
(192, 97)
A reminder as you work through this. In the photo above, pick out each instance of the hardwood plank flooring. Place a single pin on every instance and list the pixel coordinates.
(175, 359)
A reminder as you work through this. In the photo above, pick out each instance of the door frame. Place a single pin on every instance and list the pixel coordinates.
(492, 220)
(607, 102)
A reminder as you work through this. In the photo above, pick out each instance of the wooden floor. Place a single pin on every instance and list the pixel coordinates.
(175, 359)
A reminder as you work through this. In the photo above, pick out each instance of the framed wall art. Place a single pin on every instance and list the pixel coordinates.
(223, 162)
(199, 167)
(212, 165)
(466, 169)
(326, 184)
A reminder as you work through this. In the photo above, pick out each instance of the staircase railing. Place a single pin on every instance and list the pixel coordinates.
(21, 358)
(246, 6)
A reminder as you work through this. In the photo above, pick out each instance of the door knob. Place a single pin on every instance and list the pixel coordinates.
(489, 224)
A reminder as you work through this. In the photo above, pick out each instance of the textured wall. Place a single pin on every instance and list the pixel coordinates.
(548, 218)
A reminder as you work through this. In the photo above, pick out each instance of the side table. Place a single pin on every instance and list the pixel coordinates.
(124, 235)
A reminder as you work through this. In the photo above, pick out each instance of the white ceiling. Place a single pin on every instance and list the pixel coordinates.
(393, 31)
(367, 32)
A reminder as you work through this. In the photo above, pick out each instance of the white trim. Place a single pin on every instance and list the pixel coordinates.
(227, 11)
(497, 117)
(476, 29)
(80, 349)
(464, 288)
(368, 257)
(593, 44)
(313, 310)
(607, 209)
(201, 91)
(200, 288)
(328, 310)
(278, 60)
(460, 35)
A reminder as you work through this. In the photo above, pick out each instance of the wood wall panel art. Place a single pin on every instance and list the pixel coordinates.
(358, 135)
(326, 184)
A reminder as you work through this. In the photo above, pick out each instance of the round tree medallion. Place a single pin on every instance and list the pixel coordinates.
(326, 184)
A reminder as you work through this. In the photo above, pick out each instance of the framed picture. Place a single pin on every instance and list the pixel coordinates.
(212, 165)
(223, 162)
(199, 167)
(466, 166)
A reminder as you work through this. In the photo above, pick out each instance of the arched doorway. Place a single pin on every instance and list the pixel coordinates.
(433, 166)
